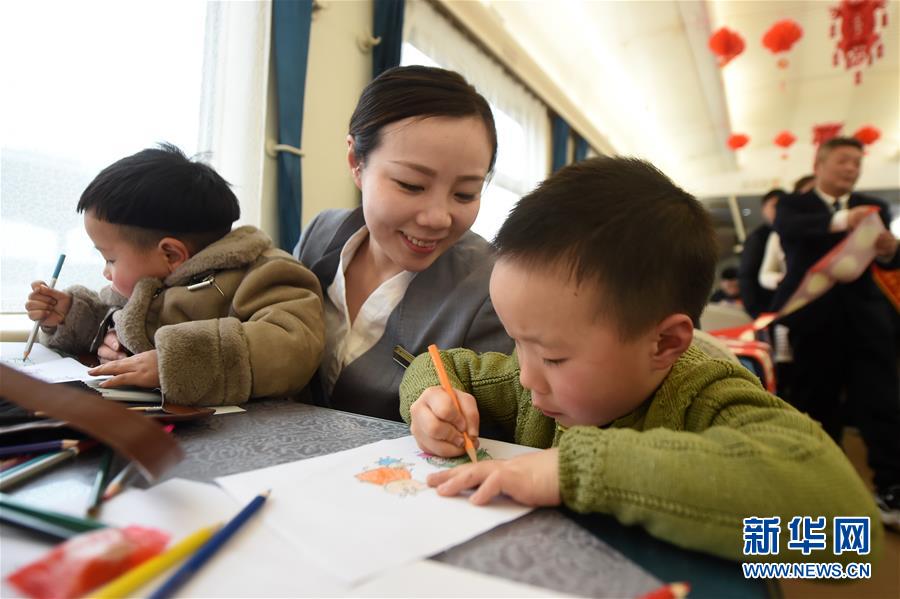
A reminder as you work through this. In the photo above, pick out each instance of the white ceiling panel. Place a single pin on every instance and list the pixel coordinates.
(641, 72)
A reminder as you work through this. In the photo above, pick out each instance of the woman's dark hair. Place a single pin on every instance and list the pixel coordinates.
(415, 91)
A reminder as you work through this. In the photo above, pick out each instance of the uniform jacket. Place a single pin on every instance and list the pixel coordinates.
(253, 328)
(447, 304)
(756, 298)
(802, 222)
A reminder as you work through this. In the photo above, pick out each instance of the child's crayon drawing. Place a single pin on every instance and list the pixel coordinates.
(440, 462)
(394, 475)
(13, 362)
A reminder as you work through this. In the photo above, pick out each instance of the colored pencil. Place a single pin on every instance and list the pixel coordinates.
(125, 475)
(120, 481)
(33, 467)
(32, 524)
(675, 590)
(100, 481)
(10, 463)
(126, 584)
(72, 523)
(33, 447)
(191, 566)
(445, 383)
(37, 324)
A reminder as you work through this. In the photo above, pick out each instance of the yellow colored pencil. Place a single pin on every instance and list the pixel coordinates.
(445, 383)
(126, 584)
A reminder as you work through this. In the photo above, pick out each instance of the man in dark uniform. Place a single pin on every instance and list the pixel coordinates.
(844, 339)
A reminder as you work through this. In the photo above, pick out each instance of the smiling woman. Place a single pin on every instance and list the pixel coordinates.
(404, 269)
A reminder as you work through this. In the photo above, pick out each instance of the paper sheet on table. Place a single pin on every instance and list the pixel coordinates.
(254, 563)
(11, 353)
(429, 578)
(45, 364)
(368, 509)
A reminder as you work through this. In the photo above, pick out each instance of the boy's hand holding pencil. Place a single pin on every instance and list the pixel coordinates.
(46, 305)
(437, 425)
(444, 420)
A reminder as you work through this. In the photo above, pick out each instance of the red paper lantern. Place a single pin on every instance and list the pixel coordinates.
(868, 134)
(825, 131)
(736, 141)
(781, 37)
(784, 140)
(726, 45)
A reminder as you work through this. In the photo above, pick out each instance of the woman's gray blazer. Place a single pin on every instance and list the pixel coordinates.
(447, 304)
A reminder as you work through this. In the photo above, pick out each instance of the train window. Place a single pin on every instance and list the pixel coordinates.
(521, 119)
(89, 85)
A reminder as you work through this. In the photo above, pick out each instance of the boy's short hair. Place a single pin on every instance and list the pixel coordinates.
(160, 192)
(648, 245)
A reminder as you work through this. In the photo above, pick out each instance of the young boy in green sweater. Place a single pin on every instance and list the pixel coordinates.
(602, 272)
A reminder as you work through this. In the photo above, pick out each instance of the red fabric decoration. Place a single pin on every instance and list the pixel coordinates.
(867, 134)
(726, 45)
(825, 131)
(781, 37)
(784, 140)
(736, 141)
(858, 36)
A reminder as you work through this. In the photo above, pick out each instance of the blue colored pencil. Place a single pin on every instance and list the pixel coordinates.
(35, 447)
(37, 323)
(191, 566)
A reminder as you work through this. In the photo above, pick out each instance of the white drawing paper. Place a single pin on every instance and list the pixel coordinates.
(362, 511)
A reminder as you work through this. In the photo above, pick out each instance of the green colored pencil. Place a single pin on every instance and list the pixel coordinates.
(100, 482)
(73, 523)
(32, 524)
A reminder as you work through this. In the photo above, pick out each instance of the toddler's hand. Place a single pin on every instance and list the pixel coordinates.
(47, 306)
(110, 349)
(140, 370)
(437, 425)
(530, 479)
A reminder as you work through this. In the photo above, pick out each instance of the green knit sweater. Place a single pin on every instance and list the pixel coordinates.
(709, 448)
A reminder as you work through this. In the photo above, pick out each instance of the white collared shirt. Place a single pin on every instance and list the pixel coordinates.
(345, 342)
(839, 222)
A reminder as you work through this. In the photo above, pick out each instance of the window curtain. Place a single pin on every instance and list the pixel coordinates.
(522, 155)
(291, 21)
(560, 132)
(232, 133)
(581, 148)
(387, 24)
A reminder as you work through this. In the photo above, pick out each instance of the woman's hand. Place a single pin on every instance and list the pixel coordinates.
(437, 425)
(530, 479)
(140, 370)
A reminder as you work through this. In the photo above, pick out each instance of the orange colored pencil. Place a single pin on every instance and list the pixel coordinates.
(445, 383)
(675, 590)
